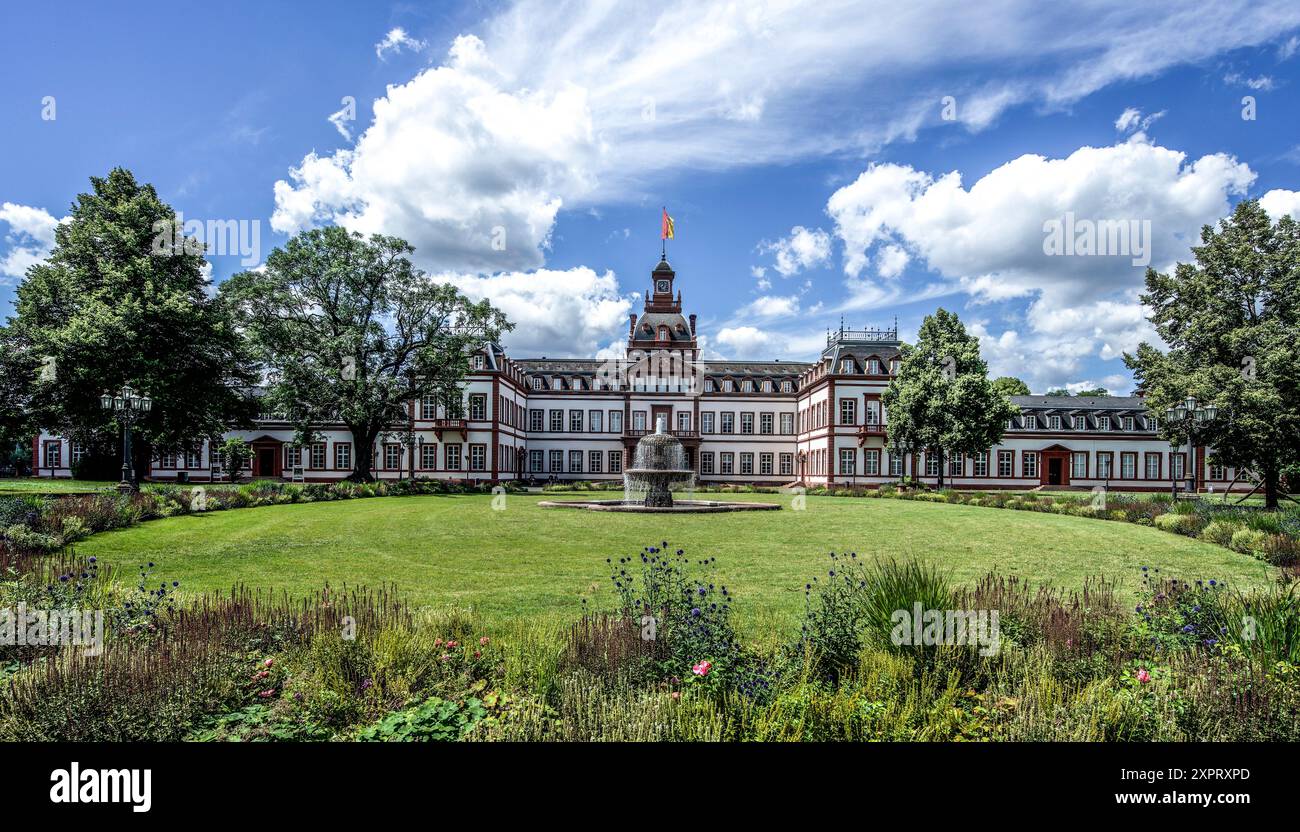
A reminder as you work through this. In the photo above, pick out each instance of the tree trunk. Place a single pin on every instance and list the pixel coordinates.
(363, 457)
(1270, 487)
(942, 460)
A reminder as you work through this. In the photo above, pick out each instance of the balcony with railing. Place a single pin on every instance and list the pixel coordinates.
(872, 429)
(441, 426)
(684, 435)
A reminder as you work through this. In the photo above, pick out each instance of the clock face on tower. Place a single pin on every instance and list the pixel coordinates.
(661, 286)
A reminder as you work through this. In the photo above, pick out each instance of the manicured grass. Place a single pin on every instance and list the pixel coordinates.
(52, 485)
(526, 561)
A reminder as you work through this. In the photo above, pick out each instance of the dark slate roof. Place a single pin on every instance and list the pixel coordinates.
(1080, 402)
(678, 327)
(560, 365)
(765, 368)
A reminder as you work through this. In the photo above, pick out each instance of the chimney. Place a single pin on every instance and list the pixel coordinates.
(692, 326)
(631, 327)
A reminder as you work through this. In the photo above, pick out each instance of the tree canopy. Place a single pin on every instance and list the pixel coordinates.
(941, 399)
(347, 328)
(1010, 386)
(111, 307)
(1231, 321)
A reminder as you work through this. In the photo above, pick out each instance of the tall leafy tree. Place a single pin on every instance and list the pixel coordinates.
(17, 369)
(116, 303)
(349, 330)
(1231, 322)
(1010, 386)
(942, 400)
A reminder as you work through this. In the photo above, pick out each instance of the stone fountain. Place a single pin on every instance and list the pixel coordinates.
(658, 464)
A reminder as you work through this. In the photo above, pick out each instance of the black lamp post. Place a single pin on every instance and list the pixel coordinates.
(126, 405)
(1187, 416)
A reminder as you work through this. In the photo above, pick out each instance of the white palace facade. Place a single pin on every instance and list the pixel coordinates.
(755, 422)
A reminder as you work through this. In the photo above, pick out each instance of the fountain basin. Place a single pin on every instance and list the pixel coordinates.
(677, 507)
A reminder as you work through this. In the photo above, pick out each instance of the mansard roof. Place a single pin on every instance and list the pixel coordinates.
(1135, 403)
(754, 368)
(678, 327)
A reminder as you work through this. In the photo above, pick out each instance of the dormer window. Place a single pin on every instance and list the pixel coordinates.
(787, 387)
(893, 366)
(478, 361)
(1103, 423)
(846, 365)
(557, 384)
(1053, 422)
(1080, 422)
(873, 366)
(663, 332)
(728, 386)
(577, 384)
(1153, 423)
(1031, 423)
(708, 385)
(767, 387)
(537, 382)
(747, 386)
(1009, 425)
(1128, 423)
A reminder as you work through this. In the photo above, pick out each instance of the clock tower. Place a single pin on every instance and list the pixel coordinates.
(663, 326)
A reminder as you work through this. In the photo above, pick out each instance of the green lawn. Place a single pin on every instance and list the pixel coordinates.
(527, 561)
(52, 485)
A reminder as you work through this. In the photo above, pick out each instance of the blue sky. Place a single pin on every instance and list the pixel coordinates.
(825, 161)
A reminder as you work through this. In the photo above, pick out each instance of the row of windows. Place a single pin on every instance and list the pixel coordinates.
(1154, 465)
(555, 462)
(1078, 422)
(726, 463)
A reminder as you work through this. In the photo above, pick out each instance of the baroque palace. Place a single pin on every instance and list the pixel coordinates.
(755, 422)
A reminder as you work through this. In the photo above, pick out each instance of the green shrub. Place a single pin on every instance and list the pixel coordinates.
(433, 720)
(1248, 541)
(1219, 532)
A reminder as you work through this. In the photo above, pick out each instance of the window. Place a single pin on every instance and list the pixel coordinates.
(557, 420)
(575, 421)
(78, 451)
(537, 382)
(535, 419)
(683, 420)
(343, 456)
(616, 421)
(53, 454)
(165, 461)
(535, 461)
(1031, 423)
(393, 456)
(765, 465)
(706, 462)
(616, 462)
(981, 464)
(1105, 464)
(747, 463)
(787, 465)
(1128, 465)
(765, 423)
(556, 460)
(873, 366)
(451, 456)
(728, 423)
(727, 460)
(478, 406)
(787, 423)
(293, 456)
(787, 387)
(429, 456)
(873, 413)
(478, 457)
(478, 361)
(931, 464)
(1080, 422)
(1053, 422)
(1128, 423)
(956, 465)
(1217, 471)
(1177, 466)
(848, 412)
(429, 407)
(317, 457)
(747, 423)
(728, 386)
(595, 420)
(1009, 424)
(848, 461)
(1153, 466)
(577, 384)
(1079, 464)
(1153, 423)
(575, 462)
(1029, 464)
(708, 385)
(871, 462)
(1103, 423)
(593, 462)
(706, 422)
(747, 386)
(193, 457)
(895, 465)
(1006, 463)
(767, 386)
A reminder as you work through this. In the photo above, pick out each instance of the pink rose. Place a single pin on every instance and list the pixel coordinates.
(452, 644)
(268, 662)
(1143, 676)
(702, 668)
(676, 694)
(484, 641)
